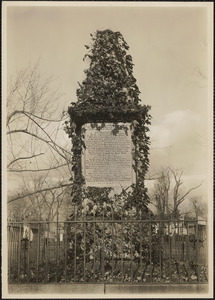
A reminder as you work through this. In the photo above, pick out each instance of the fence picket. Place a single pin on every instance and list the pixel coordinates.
(151, 248)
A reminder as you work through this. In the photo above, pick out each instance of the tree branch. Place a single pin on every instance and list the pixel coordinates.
(30, 114)
(183, 197)
(21, 158)
(39, 138)
(39, 191)
(54, 143)
(39, 170)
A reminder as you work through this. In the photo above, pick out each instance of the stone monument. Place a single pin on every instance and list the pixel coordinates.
(108, 126)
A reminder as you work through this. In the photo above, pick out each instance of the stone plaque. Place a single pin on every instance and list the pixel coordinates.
(107, 160)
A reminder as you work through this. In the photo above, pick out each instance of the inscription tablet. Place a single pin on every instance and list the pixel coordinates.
(107, 159)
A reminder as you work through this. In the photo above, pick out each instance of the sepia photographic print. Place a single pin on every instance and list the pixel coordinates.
(107, 122)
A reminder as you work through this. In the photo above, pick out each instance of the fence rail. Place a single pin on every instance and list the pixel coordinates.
(108, 250)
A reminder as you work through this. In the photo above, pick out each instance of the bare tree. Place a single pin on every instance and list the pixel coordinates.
(167, 205)
(161, 193)
(36, 142)
(178, 196)
(41, 203)
(33, 123)
(199, 207)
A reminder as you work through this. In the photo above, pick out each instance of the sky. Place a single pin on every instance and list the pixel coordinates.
(169, 47)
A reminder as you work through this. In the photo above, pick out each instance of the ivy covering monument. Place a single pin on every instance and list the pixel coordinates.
(109, 93)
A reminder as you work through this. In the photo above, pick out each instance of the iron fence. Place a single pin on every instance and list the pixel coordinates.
(108, 250)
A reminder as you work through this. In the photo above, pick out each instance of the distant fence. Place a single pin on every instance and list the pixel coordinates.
(108, 250)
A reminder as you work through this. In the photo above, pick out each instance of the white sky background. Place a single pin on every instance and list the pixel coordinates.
(169, 49)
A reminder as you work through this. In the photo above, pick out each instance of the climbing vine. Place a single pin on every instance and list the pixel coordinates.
(109, 93)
